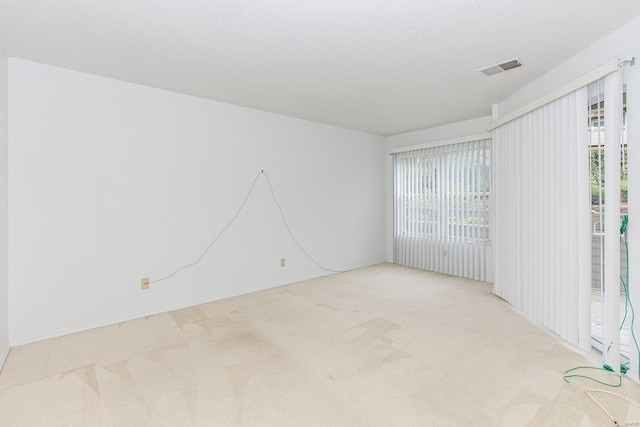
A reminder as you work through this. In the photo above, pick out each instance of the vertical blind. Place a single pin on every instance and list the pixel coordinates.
(542, 247)
(612, 144)
(441, 216)
(542, 219)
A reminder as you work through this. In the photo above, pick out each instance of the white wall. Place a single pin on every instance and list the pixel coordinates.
(439, 133)
(110, 182)
(453, 130)
(623, 42)
(4, 285)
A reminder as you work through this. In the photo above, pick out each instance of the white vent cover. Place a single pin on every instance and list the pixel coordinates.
(499, 68)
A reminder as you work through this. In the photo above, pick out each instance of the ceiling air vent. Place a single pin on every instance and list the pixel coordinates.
(499, 68)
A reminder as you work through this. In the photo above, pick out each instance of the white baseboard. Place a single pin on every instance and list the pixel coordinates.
(112, 321)
(4, 354)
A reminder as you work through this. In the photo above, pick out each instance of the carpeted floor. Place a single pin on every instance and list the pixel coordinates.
(380, 346)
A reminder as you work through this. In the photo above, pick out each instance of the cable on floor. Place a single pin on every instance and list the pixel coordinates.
(627, 304)
(226, 227)
(623, 229)
(595, 368)
(589, 391)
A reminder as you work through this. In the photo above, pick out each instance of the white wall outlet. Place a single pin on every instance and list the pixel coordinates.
(282, 262)
(144, 283)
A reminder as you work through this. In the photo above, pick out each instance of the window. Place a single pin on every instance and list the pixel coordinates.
(597, 182)
(545, 241)
(442, 206)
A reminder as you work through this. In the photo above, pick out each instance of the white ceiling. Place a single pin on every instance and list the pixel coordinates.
(374, 65)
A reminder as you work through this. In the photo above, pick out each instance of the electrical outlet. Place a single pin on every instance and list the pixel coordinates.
(282, 262)
(144, 283)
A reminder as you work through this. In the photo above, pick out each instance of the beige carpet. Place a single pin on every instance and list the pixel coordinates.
(380, 346)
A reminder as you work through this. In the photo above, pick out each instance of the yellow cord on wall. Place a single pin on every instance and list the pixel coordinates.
(226, 227)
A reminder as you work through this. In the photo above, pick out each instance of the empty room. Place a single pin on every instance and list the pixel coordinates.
(279, 213)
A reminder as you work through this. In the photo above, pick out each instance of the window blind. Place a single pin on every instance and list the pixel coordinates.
(542, 247)
(441, 208)
(542, 219)
(612, 144)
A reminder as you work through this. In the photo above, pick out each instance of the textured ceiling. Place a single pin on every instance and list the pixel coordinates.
(372, 65)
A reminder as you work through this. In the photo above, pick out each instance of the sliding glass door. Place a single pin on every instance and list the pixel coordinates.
(597, 126)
